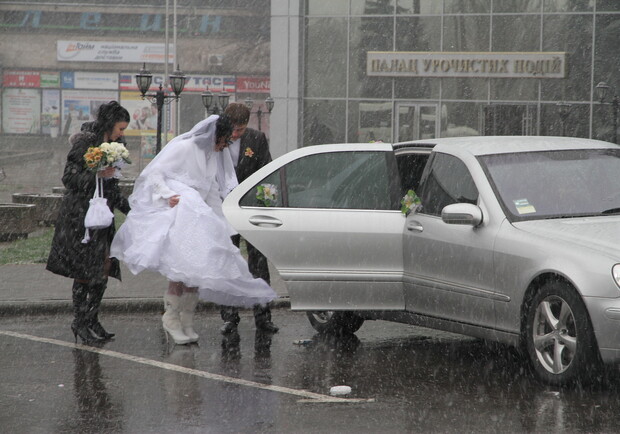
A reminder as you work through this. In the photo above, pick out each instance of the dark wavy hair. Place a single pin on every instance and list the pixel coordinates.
(223, 128)
(108, 115)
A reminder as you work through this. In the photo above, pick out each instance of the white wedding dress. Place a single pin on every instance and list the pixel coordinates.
(190, 242)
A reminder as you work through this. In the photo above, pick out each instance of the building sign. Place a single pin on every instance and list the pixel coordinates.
(193, 83)
(253, 84)
(101, 51)
(89, 80)
(21, 79)
(466, 64)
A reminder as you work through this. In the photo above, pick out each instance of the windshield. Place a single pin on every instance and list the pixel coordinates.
(556, 184)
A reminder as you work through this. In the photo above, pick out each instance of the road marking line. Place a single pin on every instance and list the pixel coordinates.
(306, 395)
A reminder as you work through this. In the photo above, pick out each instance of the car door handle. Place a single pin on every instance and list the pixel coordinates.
(414, 225)
(265, 221)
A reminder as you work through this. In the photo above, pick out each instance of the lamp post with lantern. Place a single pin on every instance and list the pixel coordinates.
(159, 97)
(220, 102)
(269, 103)
(602, 91)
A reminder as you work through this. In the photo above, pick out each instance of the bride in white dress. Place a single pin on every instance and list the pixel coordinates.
(176, 227)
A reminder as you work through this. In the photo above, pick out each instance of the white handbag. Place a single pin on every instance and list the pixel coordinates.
(98, 215)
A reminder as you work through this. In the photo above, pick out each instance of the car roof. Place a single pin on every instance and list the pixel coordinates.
(485, 145)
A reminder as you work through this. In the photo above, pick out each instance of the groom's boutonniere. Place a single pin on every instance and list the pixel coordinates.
(249, 152)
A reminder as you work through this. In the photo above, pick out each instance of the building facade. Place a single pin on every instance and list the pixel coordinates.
(396, 70)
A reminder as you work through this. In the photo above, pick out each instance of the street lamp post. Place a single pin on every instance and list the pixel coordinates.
(220, 103)
(159, 98)
(269, 102)
(602, 91)
(563, 110)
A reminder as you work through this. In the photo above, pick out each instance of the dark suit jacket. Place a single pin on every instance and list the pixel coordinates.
(253, 153)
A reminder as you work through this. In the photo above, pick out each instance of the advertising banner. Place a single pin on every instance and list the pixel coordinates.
(119, 52)
(21, 111)
(79, 106)
(253, 84)
(21, 79)
(50, 113)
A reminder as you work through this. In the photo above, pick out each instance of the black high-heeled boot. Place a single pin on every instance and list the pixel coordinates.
(95, 295)
(79, 326)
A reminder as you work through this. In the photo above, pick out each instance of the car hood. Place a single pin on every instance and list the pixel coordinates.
(596, 233)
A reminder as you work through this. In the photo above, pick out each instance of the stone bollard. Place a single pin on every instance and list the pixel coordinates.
(48, 205)
(126, 187)
(17, 221)
(58, 190)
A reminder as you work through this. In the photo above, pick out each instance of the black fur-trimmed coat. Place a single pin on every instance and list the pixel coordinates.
(68, 255)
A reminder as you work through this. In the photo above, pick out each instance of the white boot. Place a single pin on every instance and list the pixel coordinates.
(171, 319)
(189, 300)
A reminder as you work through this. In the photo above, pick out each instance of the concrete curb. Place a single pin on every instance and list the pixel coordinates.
(116, 305)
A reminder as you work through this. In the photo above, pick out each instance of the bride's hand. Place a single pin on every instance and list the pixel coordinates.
(174, 200)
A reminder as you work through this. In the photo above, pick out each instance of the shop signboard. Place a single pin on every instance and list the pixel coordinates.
(21, 79)
(50, 79)
(89, 80)
(193, 82)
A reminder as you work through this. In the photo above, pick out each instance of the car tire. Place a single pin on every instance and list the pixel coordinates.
(335, 322)
(560, 340)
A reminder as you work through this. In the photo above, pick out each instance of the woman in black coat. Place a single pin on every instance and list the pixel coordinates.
(88, 264)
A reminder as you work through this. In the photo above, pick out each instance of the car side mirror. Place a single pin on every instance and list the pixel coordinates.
(462, 214)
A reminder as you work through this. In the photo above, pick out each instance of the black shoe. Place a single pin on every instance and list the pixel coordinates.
(267, 326)
(228, 327)
(98, 331)
(84, 334)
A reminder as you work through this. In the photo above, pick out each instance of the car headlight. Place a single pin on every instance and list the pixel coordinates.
(615, 272)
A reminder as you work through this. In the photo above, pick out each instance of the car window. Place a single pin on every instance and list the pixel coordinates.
(254, 198)
(446, 181)
(410, 168)
(552, 184)
(340, 180)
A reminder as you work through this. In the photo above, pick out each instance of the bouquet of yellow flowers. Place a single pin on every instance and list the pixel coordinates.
(267, 194)
(112, 154)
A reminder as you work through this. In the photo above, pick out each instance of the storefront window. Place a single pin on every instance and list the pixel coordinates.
(371, 7)
(370, 121)
(515, 33)
(606, 42)
(460, 119)
(464, 88)
(419, 7)
(572, 6)
(466, 33)
(467, 7)
(500, 6)
(368, 34)
(553, 124)
(326, 47)
(607, 5)
(571, 34)
(326, 7)
(324, 122)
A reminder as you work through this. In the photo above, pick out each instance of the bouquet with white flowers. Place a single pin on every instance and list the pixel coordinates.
(267, 194)
(112, 154)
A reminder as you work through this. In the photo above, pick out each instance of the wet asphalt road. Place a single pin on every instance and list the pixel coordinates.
(403, 379)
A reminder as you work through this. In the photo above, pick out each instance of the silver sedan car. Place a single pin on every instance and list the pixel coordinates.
(510, 239)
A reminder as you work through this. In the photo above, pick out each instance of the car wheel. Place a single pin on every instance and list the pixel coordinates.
(335, 322)
(560, 340)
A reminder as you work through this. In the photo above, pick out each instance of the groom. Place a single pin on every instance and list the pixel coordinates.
(250, 151)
